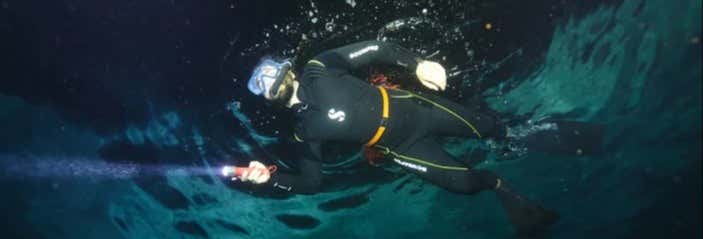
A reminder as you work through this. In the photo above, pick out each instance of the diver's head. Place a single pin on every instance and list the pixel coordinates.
(274, 80)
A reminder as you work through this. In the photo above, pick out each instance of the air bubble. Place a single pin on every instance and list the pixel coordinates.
(329, 26)
(351, 3)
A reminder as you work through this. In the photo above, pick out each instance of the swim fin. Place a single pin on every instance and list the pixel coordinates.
(528, 218)
(474, 157)
(560, 137)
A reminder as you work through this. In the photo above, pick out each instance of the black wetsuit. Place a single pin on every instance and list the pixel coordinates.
(339, 106)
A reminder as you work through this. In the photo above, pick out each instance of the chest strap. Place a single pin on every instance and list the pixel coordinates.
(384, 118)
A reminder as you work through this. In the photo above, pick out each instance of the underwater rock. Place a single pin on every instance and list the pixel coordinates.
(350, 201)
(192, 228)
(202, 199)
(401, 185)
(232, 227)
(298, 221)
(121, 223)
(165, 194)
(415, 190)
(602, 54)
(206, 179)
(418, 186)
(147, 155)
(125, 152)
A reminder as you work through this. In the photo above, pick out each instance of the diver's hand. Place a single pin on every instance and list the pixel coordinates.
(257, 173)
(432, 75)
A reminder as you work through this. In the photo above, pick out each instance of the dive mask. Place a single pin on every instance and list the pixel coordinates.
(268, 76)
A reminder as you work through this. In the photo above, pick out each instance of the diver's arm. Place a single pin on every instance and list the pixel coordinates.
(359, 55)
(362, 54)
(307, 181)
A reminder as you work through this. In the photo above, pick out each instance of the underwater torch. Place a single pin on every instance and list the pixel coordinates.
(234, 171)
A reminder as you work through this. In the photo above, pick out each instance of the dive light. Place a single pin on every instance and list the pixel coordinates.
(234, 171)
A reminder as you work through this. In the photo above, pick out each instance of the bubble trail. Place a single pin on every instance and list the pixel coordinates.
(92, 168)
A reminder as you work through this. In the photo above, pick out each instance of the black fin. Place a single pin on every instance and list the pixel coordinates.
(569, 137)
(528, 218)
(474, 157)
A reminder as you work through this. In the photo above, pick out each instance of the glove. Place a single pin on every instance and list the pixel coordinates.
(257, 173)
(432, 75)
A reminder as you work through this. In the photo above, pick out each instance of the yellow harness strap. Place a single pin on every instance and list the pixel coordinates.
(316, 62)
(384, 118)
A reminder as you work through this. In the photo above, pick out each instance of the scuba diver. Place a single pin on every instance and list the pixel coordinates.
(333, 104)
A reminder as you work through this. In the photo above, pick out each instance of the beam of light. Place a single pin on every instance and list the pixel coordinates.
(91, 168)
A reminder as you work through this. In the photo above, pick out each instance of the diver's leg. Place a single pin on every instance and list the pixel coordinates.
(427, 159)
(448, 118)
(452, 119)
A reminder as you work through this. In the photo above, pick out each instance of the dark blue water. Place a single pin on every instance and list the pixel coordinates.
(116, 116)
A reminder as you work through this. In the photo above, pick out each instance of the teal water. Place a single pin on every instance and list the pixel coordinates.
(634, 67)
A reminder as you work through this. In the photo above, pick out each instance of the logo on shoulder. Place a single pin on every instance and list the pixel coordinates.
(363, 51)
(336, 115)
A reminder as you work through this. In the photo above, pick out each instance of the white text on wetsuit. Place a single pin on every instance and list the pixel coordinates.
(363, 51)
